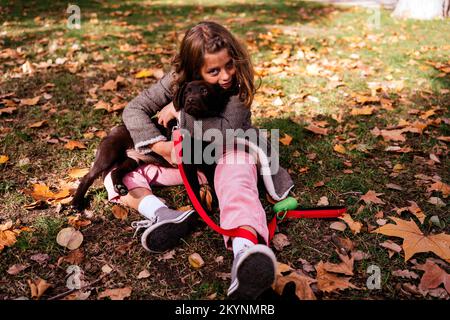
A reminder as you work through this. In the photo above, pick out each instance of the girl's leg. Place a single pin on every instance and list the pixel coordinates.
(164, 227)
(235, 181)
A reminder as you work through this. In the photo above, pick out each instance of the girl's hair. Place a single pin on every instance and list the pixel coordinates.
(210, 37)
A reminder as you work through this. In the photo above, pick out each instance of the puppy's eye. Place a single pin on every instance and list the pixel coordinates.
(204, 91)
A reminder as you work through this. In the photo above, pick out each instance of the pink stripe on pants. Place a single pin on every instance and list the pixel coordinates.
(235, 181)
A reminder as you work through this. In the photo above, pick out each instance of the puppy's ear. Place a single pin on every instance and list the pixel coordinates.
(179, 97)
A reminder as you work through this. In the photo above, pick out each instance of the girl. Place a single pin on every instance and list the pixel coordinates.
(211, 53)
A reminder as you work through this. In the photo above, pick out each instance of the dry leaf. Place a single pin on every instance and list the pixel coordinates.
(116, 294)
(7, 236)
(323, 201)
(433, 276)
(77, 223)
(30, 102)
(316, 129)
(69, 238)
(196, 261)
(280, 241)
(37, 124)
(415, 210)
(3, 159)
(38, 287)
(339, 226)
(302, 283)
(144, 73)
(354, 225)
(119, 212)
(414, 241)
(345, 267)
(74, 257)
(405, 274)
(339, 148)
(286, 140)
(440, 187)
(372, 197)
(392, 135)
(78, 172)
(394, 186)
(71, 144)
(143, 274)
(8, 110)
(102, 105)
(365, 111)
(17, 268)
(168, 255)
(328, 282)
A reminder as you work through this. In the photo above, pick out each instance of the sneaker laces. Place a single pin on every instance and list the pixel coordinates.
(138, 225)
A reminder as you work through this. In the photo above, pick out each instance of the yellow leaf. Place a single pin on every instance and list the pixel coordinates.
(196, 261)
(7, 236)
(78, 172)
(286, 140)
(414, 241)
(144, 73)
(3, 159)
(339, 148)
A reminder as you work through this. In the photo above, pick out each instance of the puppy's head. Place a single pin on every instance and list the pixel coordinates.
(200, 99)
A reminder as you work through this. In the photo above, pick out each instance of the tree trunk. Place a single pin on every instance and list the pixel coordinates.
(422, 9)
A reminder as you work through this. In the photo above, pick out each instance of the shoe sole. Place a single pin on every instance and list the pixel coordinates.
(167, 234)
(255, 274)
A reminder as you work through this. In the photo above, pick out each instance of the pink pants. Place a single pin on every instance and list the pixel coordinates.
(235, 181)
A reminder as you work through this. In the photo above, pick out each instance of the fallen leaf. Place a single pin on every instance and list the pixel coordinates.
(360, 255)
(302, 283)
(328, 282)
(7, 236)
(339, 226)
(440, 186)
(8, 110)
(394, 186)
(78, 172)
(77, 222)
(116, 294)
(315, 129)
(17, 268)
(71, 145)
(364, 111)
(38, 287)
(433, 277)
(415, 210)
(280, 241)
(144, 74)
(436, 201)
(372, 197)
(339, 148)
(286, 140)
(196, 261)
(74, 257)
(37, 124)
(392, 135)
(3, 159)
(345, 267)
(168, 255)
(102, 105)
(414, 241)
(405, 274)
(30, 102)
(143, 274)
(40, 258)
(107, 269)
(119, 212)
(69, 238)
(354, 225)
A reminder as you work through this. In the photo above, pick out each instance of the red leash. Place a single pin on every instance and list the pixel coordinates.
(282, 208)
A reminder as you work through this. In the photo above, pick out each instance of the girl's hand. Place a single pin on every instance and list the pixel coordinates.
(166, 150)
(166, 114)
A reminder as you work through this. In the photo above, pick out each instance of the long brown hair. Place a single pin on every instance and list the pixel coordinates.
(211, 37)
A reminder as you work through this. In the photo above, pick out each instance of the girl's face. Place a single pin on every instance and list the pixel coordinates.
(218, 68)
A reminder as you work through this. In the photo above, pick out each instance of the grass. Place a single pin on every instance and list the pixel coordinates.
(338, 40)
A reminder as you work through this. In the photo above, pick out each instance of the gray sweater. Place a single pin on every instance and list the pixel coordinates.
(137, 118)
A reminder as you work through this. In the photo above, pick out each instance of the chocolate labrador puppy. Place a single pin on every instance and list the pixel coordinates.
(198, 98)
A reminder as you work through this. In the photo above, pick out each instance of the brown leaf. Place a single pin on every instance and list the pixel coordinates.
(77, 223)
(78, 172)
(414, 241)
(339, 148)
(196, 261)
(116, 294)
(110, 85)
(7, 236)
(315, 129)
(343, 244)
(302, 283)
(415, 210)
(119, 212)
(364, 111)
(74, 257)
(8, 110)
(37, 124)
(17, 268)
(392, 135)
(372, 197)
(440, 187)
(345, 267)
(38, 287)
(328, 282)
(143, 274)
(405, 274)
(30, 102)
(280, 241)
(433, 276)
(339, 226)
(69, 238)
(394, 186)
(354, 225)
(72, 144)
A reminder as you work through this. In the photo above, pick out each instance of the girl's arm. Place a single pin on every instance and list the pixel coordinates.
(137, 114)
(235, 116)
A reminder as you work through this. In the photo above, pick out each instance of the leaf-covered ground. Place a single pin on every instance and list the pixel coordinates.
(366, 107)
